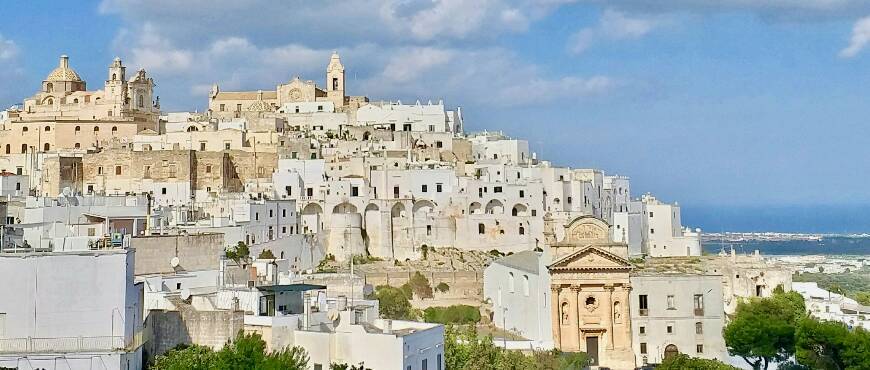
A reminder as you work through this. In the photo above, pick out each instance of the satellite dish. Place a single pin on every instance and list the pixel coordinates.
(174, 262)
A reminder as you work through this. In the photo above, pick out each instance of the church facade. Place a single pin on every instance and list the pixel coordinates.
(590, 287)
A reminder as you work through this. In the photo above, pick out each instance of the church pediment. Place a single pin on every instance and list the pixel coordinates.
(591, 258)
(586, 230)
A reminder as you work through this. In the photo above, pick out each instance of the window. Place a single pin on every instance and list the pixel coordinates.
(534, 212)
(146, 172)
(8, 148)
(406, 127)
(46, 147)
(226, 146)
(289, 190)
(526, 285)
(202, 146)
(354, 191)
(650, 214)
(96, 129)
(424, 188)
(223, 107)
(99, 170)
(643, 348)
(642, 330)
(699, 328)
(699, 348)
(522, 193)
(438, 362)
(114, 129)
(652, 231)
(395, 191)
(208, 169)
(257, 216)
(481, 229)
(511, 282)
(163, 191)
(670, 328)
(439, 144)
(671, 303)
(496, 189)
(284, 213)
(47, 129)
(522, 230)
(570, 199)
(117, 170)
(438, 187)
(78, 145)
(425, 364)
(24, 129)
(238, 107)
(642, 304)
(271, 213)
(428, 229)
(699, 305)
(172, 170)
(78, 129)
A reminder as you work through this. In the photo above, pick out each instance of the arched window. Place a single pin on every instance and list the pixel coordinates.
(78, 146)
(526, 285)
(25, 129)
(114, 129)
(49, 101)
(699, 328)
(49, 87)
(511, 283)
(114, 76)
(140, 101)
(671, 351)
(96, 129)
(47, 128)
(23, 148)
(46, 147)
(76, 101)
(522, 230)
(481, 229)
(78, 129)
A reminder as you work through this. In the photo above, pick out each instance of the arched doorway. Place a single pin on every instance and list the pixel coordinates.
(671, 351)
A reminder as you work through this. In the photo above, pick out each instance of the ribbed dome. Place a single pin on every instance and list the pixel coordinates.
(63, 72)
(260, 105)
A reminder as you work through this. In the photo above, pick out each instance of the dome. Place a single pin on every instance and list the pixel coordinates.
(63, 72)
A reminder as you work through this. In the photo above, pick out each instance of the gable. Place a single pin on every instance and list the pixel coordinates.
(590, 258)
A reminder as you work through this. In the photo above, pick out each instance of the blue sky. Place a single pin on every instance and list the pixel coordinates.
(709, 103)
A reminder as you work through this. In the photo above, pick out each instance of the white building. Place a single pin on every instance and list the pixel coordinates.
(70, 310)
(517, 286)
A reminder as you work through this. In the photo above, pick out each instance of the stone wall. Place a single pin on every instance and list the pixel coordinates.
(195, 252)
(168, 329)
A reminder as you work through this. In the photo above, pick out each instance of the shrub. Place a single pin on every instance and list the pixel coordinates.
(442, 287)
(266, 254)
(456, 314)
(393, 303)
(420, 285)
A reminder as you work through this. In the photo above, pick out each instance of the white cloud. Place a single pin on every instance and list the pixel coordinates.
(860, 38)
(8, 49)
(613, 25)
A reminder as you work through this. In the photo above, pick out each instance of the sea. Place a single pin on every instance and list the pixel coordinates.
(844, 229)
(827, 245)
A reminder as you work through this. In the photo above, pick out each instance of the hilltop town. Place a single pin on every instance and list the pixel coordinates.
(281, 211)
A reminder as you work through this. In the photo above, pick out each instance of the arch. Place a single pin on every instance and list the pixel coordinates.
(114, 129)
(78, 146)
(474, 208)
(46, 129)
(526, 285)
(397, 211)
(372, 207)
(48, 101)
(76, 101)
(565, 309)
(78, 129)
(556, 201)
(494, 207)
(96, 129)
(366, 135)
(49, 87)
(46, 147)
(25, 129)
(114, 76)
(519, 210)
(511, 282)
(423, 207)
(344, 208)
(192, 129)
(312, 209)
(140, 101)
(671, 351)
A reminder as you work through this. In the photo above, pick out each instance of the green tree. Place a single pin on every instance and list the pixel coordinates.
(464, 348)
(863, 298)
(185, 358)
(682, 362)
(393, 303)
(831, 345)
(239, 252)
(266, 254)
(420, 285)
(763, 329)
(442, 287)
(247, 351)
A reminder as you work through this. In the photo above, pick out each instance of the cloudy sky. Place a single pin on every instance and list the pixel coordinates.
(706, 102)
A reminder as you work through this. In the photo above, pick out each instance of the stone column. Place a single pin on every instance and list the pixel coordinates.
(573, 320)
(608, 295)
(556, 315)
(625, 294)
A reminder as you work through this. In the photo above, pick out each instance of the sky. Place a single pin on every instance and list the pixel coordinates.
(705, 102)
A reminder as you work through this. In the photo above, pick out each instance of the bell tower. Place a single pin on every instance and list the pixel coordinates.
(116, 84)
(335, 80)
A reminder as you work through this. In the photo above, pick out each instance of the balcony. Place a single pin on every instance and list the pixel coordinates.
(699, 312)
(70, 344)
